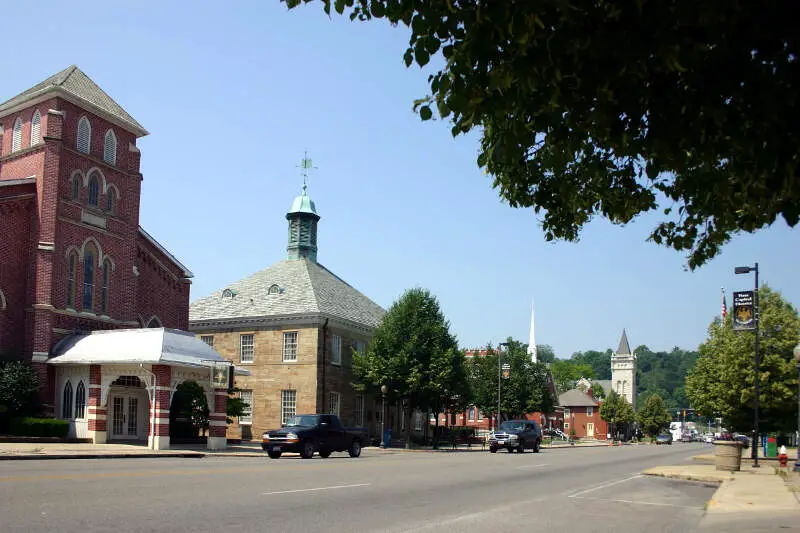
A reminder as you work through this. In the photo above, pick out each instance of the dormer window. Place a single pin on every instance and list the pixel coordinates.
(110, 148)
(229, 293)
(84, 135)
(274, 289)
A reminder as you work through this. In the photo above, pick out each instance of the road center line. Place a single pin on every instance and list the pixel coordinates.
(531, 466)
(606, 485)
(316, 489)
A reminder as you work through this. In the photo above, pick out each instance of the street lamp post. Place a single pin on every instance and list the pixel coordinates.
(384, 390)
(747, 270)
(797, 443)
(499, 379)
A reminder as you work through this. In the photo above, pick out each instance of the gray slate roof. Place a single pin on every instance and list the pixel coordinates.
(605, 383)
(575, 398)
(307, 288)
(624, 348)
(74, 82)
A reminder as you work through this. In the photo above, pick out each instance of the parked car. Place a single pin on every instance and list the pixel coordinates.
(306, 434)
(664, 438)
(687, 437)
(516, 435)
(744, 439)
(709, 438)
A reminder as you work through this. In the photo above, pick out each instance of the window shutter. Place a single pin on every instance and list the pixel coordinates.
(84, 135)
(36, 128)
(16, 135)
(110, 148)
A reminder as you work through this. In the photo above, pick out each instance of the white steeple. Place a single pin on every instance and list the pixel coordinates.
(532, 338)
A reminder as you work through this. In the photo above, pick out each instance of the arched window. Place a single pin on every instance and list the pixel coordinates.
(72, 267)
(76, 187)
(110, 148)
(80, 401)
(104, 288)
(94, 189)
(274, 289)
(88, 278)
(154, 323)
(66, 403)
(84, 135)
(110, 201)
(36, 128)
(16, 135)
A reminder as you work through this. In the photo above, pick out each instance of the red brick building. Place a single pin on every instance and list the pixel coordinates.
(582, 413)
(72, 255)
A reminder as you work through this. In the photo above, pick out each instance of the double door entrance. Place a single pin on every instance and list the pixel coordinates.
(128, 414)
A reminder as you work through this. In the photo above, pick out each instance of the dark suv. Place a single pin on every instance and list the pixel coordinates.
(516, 435)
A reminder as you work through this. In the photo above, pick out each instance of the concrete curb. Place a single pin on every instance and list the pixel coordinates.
(704, 478)
(53, 456)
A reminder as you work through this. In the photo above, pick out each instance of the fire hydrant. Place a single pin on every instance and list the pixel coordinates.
(782, 458)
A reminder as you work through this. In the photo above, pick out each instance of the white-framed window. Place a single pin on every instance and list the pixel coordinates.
(359, 410)
(334, 402)
(471, 414)
(208, 339)
(16, 135)
(247, 398)
(290, 346)
(246, 348)
(80, 400)
(590, 411)
(360, 347)
(480, 414)
(566, 425)
(336, 350)
(288, 404)
(84, 135)
(418, 416)
(566, 412)
(110, 148)
(36, 128)
(66, 402)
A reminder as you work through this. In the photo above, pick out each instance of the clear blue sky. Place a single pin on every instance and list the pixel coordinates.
(234, 93)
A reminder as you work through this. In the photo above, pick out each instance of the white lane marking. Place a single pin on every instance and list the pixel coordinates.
(639, 503)
(316, 489)
(605, 486)
(531, 466)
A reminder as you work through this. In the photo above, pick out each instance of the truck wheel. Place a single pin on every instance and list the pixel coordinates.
(324, 453)
(521, 447)
(536, 446)
(274, 455)
(308, 450)
(492, 449)
(355, 448)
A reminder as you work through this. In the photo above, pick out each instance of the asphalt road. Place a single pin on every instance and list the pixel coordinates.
(581, 489)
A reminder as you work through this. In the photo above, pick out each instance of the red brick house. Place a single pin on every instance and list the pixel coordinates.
(582, 413)
(73, 257)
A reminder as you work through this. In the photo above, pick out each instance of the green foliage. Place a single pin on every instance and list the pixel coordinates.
(545, 353)
(410, 352)
(39, 427)
(189, 409)
(722, 382)
(235, 406)
(606, 109)
(19, 388)
(567, 372)
(653, 416)
(616, 411)
(599, 361)
(664, 373)
(598, 392)
(524, 391)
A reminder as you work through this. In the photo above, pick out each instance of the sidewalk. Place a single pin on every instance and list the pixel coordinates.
(749, 500)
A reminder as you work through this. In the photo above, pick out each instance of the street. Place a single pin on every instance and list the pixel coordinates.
(582, 489)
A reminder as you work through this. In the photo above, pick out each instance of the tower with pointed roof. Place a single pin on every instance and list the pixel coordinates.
(623, 371)
(303, 218)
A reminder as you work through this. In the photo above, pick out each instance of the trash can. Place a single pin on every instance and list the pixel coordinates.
(772, 447)
(387, 437)
(728, 455)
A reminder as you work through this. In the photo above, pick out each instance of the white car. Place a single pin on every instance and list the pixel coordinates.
(708, 438)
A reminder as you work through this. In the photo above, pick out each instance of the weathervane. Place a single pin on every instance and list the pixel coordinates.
(305, 166)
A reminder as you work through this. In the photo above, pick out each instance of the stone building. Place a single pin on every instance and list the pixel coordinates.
(623, 371)
(294, 326)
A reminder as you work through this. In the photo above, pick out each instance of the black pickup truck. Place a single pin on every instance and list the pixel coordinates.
(306, 434)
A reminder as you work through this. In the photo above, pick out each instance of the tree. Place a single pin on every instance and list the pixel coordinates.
(599, 361)
(567, 372)
(722, 383)
(449, 385)
(235, 406)
(405, 347)
(189, 410)
(545, 353)
(653, 416)
(525, 389)
(19, 387)
(605, 109)
(598, 392)
(616, 411)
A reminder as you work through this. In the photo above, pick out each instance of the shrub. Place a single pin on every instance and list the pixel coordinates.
(19, 386)
(39, 427)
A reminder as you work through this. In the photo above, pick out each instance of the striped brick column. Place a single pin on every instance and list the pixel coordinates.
(217, 426)
(96, 415)
(159, 416)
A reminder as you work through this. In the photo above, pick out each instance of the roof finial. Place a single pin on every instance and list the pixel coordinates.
(305, 166)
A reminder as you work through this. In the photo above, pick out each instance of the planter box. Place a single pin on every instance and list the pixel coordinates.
(728, 455)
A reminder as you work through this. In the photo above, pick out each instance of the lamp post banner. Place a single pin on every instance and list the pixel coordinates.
(744, 315)
(219, 375)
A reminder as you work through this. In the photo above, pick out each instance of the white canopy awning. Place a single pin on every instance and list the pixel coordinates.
(155, 346)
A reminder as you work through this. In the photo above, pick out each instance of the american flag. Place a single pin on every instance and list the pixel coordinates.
(724, 307)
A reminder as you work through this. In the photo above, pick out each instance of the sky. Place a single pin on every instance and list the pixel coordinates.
(234, 95)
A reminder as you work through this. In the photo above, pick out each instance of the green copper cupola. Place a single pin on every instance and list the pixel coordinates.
(303, 218)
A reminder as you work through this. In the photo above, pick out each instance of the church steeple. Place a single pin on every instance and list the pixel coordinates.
(624, 348)
(303, 218)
